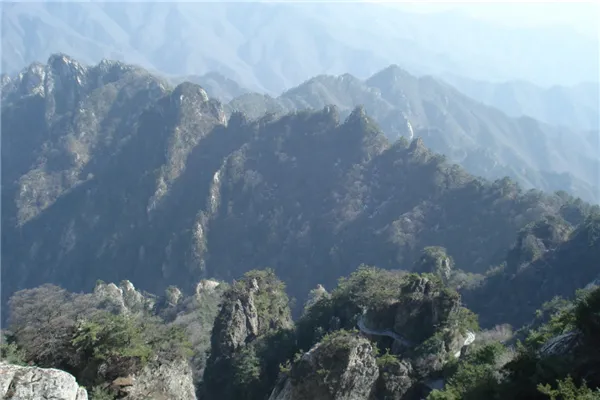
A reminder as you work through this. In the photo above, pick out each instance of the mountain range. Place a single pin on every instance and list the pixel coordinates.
(273, 46)
(482, 139)
(571, 106)
(110, 173)
(314, 200)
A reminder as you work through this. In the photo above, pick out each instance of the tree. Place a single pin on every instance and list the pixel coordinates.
(42, 321)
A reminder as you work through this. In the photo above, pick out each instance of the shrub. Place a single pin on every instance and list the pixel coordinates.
(111, 336)
(567, 390)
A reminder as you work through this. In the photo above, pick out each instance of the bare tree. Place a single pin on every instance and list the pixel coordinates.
(42, 319)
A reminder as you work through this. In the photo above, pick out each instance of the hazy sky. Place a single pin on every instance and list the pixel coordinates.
(583, 16)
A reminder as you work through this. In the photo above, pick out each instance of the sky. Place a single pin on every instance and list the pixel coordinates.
(582, 16)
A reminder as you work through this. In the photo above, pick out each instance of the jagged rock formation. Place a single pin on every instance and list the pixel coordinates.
(255, 311)
(124, 298)
(28, 383)
(561, 344)
(396, 379)
(342, 367)
(166, 381)
(434, 260)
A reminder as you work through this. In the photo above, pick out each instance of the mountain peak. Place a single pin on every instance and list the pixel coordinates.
(358, 113)
(190, 90)
(63, 65)
(392, 73)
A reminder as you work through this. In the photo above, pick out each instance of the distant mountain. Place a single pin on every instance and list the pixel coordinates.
(109, 173)
(269, 47)
(575, 107)
(482, 139)
(216, 85)
(550, 258)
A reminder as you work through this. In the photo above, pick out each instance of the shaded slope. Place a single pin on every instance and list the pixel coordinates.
(482, 139)
(184, 193)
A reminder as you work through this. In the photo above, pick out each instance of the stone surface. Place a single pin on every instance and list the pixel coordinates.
(167, 381)
(394, 381)
(32, 383)
(343, 368)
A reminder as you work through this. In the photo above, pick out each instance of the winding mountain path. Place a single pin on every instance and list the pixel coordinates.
(387, 332)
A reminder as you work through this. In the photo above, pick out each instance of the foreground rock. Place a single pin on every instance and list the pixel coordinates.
(342, 367)
(29, 383)
(167, 381)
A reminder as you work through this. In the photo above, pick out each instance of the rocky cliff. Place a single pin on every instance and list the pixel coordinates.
(245, 344)
(157, 381)
(341, 367)
(28, 383)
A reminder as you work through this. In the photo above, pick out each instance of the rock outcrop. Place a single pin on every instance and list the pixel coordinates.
(434, 260)
(254, 311)
(395, 380)
(342, 367)
(241, 320)
(29, 383)
(123, 298)
(562, 344)
(167, 381)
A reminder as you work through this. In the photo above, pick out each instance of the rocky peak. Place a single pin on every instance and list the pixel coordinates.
(61, 65)
(191, 103)
(65, 84)
(341, 367)
(237, 119)
(358, 114)
(236, 324)
(206, 286)
(417, 145)
(422, 306)
(30, 81)
(395, 380)
(333, 112)
(17, 382)
(253, 306)
(434, 260)
(124, 298)
(173, 295)
(393, 73)
(390, 81)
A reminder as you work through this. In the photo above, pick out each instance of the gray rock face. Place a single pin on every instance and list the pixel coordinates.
(29, 383)
(172, 381)
(343, 368)
(123, 298)
(206, 286)
(424, 306)
(561, 344)
(238, 322)
(395, 380)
